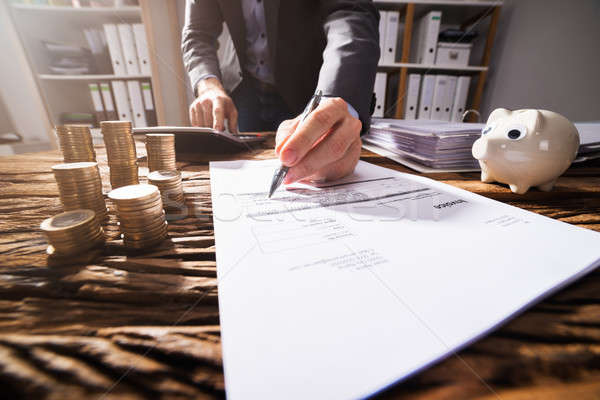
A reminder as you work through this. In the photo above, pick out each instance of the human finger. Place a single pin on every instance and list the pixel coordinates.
(332, 148)
(218, 115)
(317, 124)
(232, 117)
(339, 168)
(192, 114)
(206, 107)
(199, 114)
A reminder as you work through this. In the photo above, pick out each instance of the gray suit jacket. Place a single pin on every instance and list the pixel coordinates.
(331, 45)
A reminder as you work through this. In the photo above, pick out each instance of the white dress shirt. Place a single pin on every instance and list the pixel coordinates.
(258, 60)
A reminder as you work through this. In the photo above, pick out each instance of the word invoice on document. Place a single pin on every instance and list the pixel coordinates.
(339, 291)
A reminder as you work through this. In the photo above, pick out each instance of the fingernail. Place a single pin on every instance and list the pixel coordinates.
(288, 157)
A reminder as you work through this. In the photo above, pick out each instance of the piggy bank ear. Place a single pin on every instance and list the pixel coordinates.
(497, 114)
(534, 118)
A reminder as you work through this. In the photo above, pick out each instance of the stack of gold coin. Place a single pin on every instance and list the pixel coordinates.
(80, 186)
(161, 151)
(76, 143)
(120, 149)
(170, 186)
(141, 217)
(72, 232)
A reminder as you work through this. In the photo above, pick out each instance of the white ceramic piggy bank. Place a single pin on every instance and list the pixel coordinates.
(526, 148)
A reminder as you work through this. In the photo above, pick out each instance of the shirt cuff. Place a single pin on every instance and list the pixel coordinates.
(352, 111)
(201, 78)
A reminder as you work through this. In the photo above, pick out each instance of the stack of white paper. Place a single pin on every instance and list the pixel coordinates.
(589, 140)
(432, 144)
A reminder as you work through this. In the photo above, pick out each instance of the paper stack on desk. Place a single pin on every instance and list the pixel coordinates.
(426, 144)
(589, 141)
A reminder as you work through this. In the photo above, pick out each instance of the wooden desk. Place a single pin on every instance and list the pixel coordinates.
(147, 325)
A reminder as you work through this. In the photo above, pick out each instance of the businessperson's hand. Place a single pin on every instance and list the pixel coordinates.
(326, 146)
(213, 106)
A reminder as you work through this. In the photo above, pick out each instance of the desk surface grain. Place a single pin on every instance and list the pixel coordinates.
(116, 324)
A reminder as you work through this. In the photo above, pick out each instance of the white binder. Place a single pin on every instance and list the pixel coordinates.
(449, 98)
(129, 52)
(391, 36)
(411, 102)
(114, 49)
(97, 101)
(148, 103)
(439, 97)
(425, 42)
(141, 46)
(382, 25)
(107, 99)
(460, 98)
(122, 100)
(137, 104)
(380, 85)
(426, 97)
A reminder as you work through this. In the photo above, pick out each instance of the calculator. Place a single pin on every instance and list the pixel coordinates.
(194, 140)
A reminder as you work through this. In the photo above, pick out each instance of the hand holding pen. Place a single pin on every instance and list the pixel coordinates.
(325, 145)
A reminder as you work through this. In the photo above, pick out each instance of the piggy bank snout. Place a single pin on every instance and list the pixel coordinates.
(480, 149)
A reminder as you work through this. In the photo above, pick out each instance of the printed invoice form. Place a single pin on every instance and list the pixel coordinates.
(339, 291)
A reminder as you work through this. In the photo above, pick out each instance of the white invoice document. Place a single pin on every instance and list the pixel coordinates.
(339, 291)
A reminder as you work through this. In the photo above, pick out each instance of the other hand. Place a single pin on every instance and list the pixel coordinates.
(326, 146)
(213, 106)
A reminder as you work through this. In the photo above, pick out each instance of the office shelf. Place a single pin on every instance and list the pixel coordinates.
(133, 11)
(96, 77)
(458, 14)
(36, 23)
(433, 67)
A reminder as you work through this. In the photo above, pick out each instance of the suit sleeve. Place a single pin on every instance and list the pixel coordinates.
(202, 27)
(350, 57)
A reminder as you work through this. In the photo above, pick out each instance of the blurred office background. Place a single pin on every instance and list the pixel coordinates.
(544, 55)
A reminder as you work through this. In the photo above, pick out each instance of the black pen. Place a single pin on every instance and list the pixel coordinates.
(282, 171)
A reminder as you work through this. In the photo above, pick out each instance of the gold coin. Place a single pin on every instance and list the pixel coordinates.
(167, 185)
(79, 183)
(67, 220)
(164, 175)
(159, 233)
(142, 214)
(139, 202)
(82, 187)
(148, 210)
(142, 228)
(144, 232)
(74, 166)
(133, 193)
(74, 250)
(80, 240)
(115, 124)
(91, 230)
